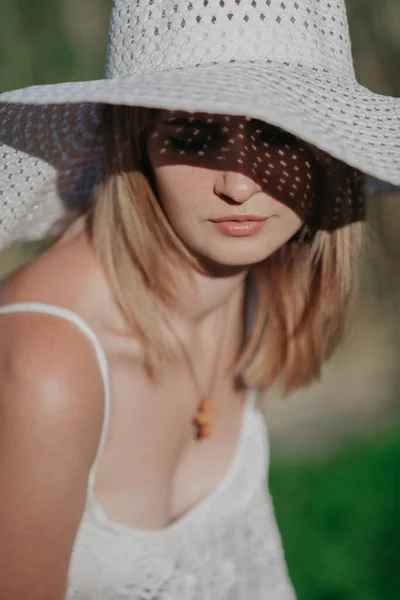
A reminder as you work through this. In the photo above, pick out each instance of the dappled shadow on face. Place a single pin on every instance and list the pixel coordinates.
(324, 192)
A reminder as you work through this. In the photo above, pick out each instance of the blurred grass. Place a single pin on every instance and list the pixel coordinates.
(340, 520)
(47, 41)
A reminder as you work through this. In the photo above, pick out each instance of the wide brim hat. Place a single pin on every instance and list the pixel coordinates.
(287, 63)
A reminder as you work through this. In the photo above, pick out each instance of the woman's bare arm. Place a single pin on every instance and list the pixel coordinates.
(51, 411)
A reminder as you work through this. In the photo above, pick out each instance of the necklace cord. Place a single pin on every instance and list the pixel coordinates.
(217, 359)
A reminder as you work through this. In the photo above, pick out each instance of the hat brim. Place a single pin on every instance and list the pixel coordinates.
(333, 112)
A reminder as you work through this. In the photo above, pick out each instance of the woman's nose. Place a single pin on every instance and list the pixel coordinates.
(236, 186)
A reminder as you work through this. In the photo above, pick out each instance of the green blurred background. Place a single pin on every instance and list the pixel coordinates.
(335, 473)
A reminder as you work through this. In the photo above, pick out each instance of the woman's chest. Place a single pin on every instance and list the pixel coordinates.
(225, 546)
(153, 468)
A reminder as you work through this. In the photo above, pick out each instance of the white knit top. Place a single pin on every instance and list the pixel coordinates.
(227, 547)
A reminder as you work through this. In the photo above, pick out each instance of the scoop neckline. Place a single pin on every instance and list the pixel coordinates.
(95, 507)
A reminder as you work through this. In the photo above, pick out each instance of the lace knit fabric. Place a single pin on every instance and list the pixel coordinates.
(227, 547)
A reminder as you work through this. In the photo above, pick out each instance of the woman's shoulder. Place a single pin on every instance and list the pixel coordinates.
(56, 276)
(45, 353)
(49, 371)
(66, 276)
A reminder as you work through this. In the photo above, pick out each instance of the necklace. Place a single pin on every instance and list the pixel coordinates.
(205, 416)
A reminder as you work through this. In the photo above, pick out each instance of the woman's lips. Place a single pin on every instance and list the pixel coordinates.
(240, 228)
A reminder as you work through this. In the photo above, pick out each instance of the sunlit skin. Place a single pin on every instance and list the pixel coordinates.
(211, 166)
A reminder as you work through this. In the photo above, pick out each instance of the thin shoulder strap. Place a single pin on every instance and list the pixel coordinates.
(253, 396)
(65, 313)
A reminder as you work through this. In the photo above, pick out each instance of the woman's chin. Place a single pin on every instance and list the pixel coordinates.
(234, 260)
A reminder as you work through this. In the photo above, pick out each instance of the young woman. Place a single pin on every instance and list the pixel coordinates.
(208, 199)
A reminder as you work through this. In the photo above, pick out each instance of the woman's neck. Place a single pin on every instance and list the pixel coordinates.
(209, 320)
(207, 296)
(203, 306)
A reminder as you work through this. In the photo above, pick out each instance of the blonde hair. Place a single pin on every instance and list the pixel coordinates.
(304, 290)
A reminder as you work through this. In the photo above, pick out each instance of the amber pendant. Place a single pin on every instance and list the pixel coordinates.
(205, 418)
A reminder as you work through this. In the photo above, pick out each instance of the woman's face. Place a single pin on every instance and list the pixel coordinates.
(233, 188)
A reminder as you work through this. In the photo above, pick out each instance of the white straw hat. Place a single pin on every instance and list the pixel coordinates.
(287, 63)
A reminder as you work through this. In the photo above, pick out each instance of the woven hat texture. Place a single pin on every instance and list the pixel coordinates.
(287, 63)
